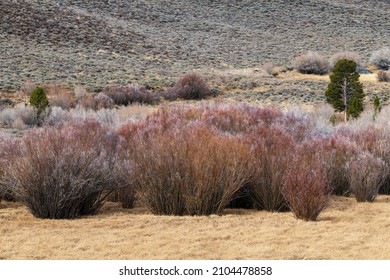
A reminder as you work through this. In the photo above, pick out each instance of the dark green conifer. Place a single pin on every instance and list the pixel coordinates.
(345, 92)
(38, 100)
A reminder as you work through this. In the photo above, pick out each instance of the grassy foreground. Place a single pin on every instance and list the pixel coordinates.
(346, 230)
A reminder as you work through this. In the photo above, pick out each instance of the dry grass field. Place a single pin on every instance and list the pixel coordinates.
(346, 230)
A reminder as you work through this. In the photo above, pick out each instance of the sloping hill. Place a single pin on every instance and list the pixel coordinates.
(95, 42)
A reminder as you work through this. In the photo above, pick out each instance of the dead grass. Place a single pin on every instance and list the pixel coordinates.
(294, 75)
(346, 230)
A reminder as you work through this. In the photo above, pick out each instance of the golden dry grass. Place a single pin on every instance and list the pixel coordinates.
(294, 75)
(346, 230)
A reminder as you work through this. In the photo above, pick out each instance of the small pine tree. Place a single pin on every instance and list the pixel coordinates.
(345, 92)
(38, 100)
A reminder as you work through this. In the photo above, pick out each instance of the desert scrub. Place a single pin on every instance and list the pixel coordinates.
(192, 86)
(184, 169)
(9, 150)
(305, 187)
(311, 63)
(64, 172)
(381, 58)
(345, 55)
(367, 174)
(383, 76)
(132, 93)
(271, 150)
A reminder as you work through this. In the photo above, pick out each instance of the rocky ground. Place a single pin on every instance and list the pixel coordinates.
(93, 43)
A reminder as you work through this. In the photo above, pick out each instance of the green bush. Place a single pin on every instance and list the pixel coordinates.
(38, 100)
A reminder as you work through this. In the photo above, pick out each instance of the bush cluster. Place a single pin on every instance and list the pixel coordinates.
(64, 172)
(197, 160)
(43, 98)
(132, 93)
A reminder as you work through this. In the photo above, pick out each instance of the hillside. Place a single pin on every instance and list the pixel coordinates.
(93, 43)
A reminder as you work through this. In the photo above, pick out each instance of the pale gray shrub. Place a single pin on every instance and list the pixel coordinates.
(311, 63)
(354, 56)
(381, 58)
(20, 112)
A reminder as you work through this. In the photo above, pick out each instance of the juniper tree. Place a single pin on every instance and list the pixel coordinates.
(345, 92)
(38, 100)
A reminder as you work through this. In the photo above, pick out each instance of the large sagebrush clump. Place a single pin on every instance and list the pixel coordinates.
(311, 63)
(64, 172)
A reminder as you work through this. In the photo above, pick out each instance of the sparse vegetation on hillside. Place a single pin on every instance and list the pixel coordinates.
(94, 43)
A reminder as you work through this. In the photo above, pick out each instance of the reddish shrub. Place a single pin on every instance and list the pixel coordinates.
(59, 96)
(271, 152)
(306, 188)
(132, 93)
(192, 86)
(239, 118)
(64, 172)
(187, 169)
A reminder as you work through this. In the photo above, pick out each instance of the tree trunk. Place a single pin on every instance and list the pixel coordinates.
(344, 89)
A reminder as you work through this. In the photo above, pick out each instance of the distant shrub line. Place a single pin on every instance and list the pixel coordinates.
(315, 63)
(196, 161)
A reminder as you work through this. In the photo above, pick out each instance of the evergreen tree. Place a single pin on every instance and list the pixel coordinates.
(38, 100)
(345, 92)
